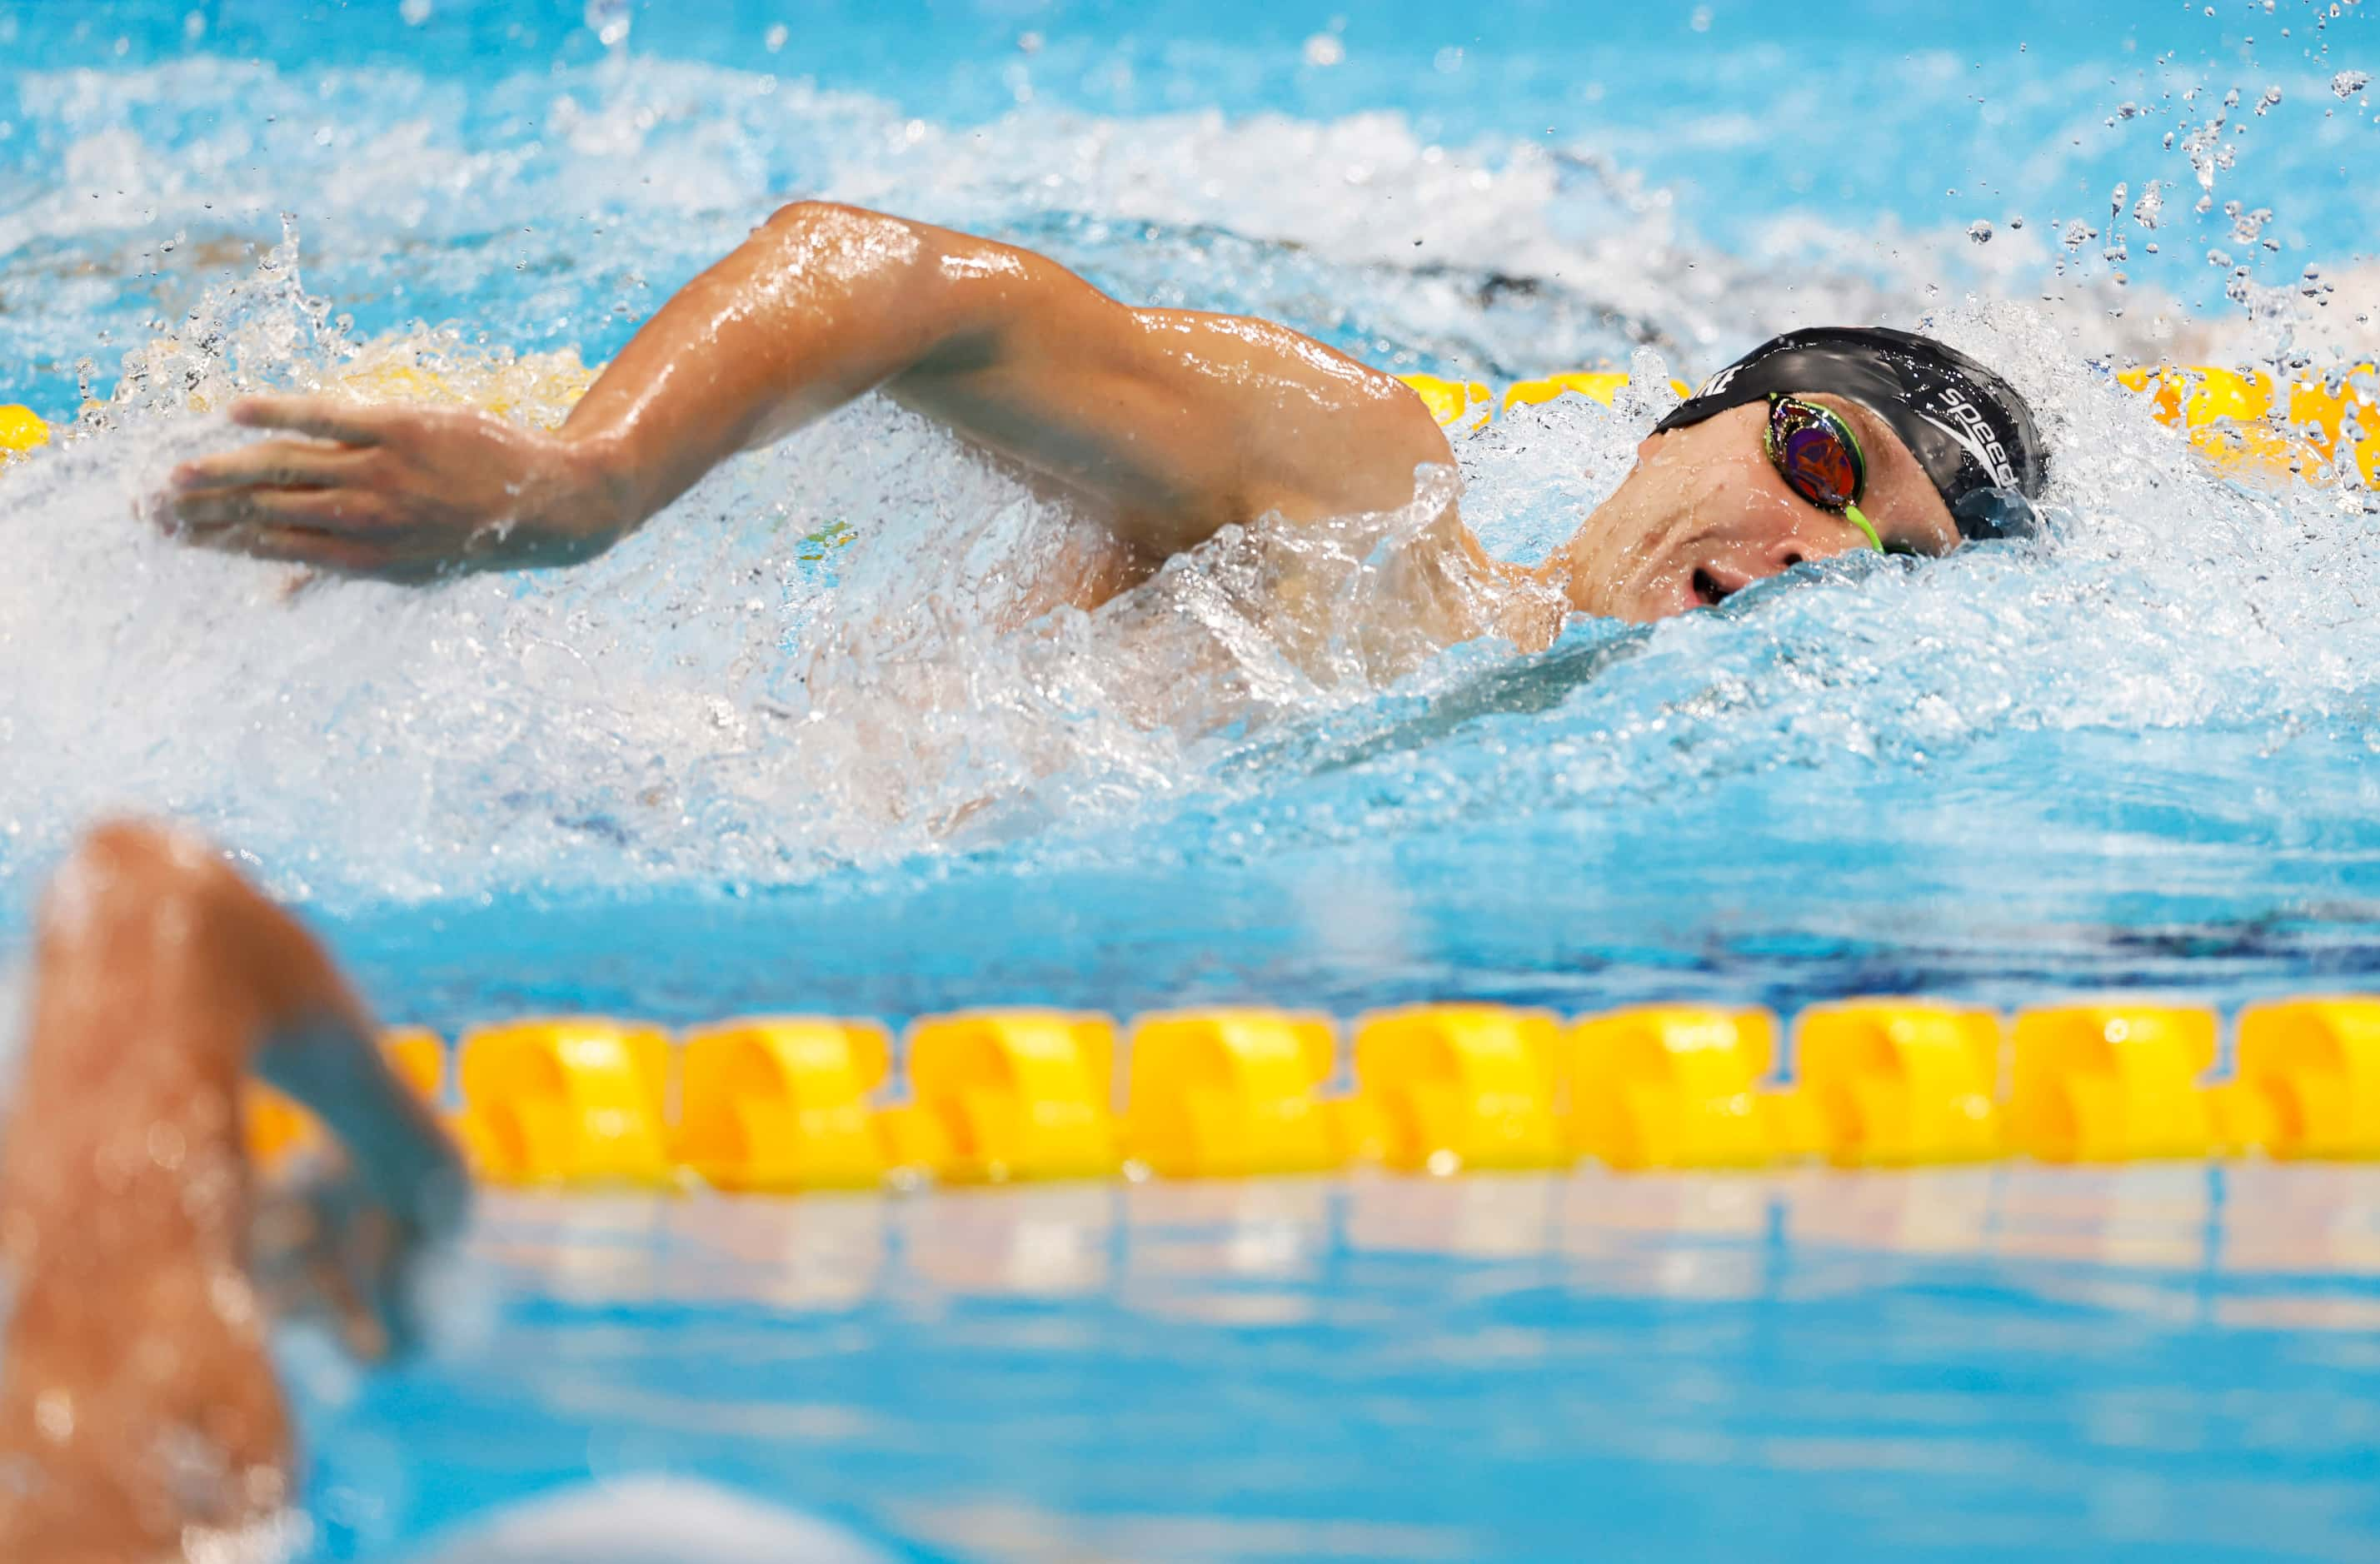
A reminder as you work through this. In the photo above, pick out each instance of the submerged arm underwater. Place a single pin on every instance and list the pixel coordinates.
(1168, 424)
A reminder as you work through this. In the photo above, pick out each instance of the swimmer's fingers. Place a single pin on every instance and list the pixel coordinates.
(317, 1250)
(282, 464)
(324, 418)
(356, 511)
(300, 545)
(331, 1291)
(356, 532)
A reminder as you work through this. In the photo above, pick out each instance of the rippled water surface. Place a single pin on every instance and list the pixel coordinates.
(789, 748)
(2164, 1364)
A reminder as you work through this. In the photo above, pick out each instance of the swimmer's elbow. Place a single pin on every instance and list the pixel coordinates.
(131, 884)
(827, 242)
(885, 268)
(807, 215)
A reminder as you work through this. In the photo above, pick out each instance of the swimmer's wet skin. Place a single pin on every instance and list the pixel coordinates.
(141, 1420)
(1167, 425)
(139, 1410)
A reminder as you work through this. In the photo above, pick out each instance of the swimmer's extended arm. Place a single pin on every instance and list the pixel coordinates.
(1174, 424)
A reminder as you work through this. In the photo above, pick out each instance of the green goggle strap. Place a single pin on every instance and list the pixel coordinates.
(1866, 527)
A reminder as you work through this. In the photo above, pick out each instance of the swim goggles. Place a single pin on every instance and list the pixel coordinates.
(1813, 449)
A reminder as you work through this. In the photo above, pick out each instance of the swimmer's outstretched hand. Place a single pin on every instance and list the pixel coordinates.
(401, 493)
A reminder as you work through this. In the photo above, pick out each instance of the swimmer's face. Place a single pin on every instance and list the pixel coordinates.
(1705, 514)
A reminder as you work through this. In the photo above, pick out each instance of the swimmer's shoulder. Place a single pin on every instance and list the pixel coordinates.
(1324, 432)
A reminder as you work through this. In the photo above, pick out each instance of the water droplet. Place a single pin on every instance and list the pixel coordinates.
(2348, 83)
(414, 12)
(1980, 231)
(774, 39)
(608, 19)
(1322, 49)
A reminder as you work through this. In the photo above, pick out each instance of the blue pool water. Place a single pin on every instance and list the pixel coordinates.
(2157, 1364)
(768, 756)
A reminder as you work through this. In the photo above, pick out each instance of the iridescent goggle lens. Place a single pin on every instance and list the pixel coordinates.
(1815, 453)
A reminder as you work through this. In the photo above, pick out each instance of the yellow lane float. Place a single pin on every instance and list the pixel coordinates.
(1232, 1092)
(567, 1100)
(788, 1103)
(1019, 1094)
(781, 1104)
(1674, 1088)
(1896, 1083)
(21, 430)
(1472, 405)
(2314, 1064)
(2242, 421)
(1451, 1087)
(2117, 1083)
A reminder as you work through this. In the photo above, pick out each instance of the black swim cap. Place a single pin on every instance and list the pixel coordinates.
(1966, 426)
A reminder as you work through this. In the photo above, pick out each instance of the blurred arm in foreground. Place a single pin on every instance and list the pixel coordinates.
(140, 1416)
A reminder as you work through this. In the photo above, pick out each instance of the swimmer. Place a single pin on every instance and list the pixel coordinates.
(141, 1420)
(1165, 425)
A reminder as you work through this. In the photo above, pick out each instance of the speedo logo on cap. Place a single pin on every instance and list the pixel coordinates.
(1972, 429)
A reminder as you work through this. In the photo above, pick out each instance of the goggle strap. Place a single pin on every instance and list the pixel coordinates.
(1866, 525)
